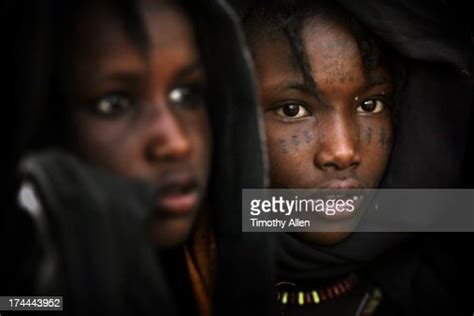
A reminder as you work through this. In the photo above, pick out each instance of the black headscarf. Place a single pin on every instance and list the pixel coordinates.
(244, 265)
(435, 106)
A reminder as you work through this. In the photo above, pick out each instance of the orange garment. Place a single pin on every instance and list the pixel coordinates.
(200, 260)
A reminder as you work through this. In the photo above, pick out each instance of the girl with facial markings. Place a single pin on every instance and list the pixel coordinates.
(327, 101)
(328, 89)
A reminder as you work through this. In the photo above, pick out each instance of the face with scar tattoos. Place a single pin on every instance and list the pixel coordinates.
(332, 130)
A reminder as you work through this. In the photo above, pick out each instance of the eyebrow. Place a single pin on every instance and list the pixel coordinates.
(133, 75)
(190, 69)
(304, 88)
(123, 76)
(307, 89)
(378, 80)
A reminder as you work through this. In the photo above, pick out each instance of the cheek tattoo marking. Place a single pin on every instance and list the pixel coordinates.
(308, 136)
(283, 145)
(382, 139)
(358, 133)
(295, 140)
(368, 135)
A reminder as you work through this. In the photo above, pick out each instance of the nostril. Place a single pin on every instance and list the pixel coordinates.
(339, 166)
(329, 165)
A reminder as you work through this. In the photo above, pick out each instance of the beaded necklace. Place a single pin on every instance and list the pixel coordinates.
(288, 294)
(317, 295)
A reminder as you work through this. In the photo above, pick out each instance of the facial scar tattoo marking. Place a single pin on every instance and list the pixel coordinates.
(308, 136)
(368, 135)
(283, 145)
(295, 140)
(358, 133)
(382, 137)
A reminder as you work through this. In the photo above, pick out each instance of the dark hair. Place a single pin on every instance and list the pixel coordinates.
(287, 18)
(57, 35)
(51, 118)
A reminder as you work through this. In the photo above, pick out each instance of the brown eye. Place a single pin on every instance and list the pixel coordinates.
(189, 96)
(371, 106)
(112, 105)
(292, 110)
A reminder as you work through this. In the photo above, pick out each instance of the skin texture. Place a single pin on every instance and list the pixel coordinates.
(336, 134)
(143, 115)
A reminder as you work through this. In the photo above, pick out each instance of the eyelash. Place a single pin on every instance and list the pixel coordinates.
(106, 106)
(115, 104)
(279, 111)
(381, 103)
(194, 99)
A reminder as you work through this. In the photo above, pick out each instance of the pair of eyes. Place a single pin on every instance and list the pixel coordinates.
(114, 104)
(295, 110)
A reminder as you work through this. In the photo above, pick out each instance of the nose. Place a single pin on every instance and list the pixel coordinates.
(339, 148)
(167, 137)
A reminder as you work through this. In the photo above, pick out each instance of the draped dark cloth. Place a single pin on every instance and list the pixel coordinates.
(418, 273)
(91, 266)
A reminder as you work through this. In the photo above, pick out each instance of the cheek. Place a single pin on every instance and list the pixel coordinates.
(376, 145)
(198, 128)
(110, 144)
(290, 151)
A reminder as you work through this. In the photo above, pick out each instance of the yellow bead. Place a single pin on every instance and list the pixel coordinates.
(300, 298)
(315, 297)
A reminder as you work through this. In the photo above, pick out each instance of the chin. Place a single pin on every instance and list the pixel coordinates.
(171, 232)
(324, 238)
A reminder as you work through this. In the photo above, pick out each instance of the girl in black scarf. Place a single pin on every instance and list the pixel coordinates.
(131, 126)
(335, 103)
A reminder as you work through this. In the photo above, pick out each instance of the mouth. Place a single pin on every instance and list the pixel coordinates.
(348, 189)
(345, 184)
(178, 195)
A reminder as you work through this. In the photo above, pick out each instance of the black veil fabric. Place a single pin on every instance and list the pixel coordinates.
(431, 145)
(299, 260)
(245, 262)
(244, 267)
(431, 142)
(432, 137)
(95, 250)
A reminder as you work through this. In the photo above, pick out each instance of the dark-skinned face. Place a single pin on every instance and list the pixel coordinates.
(337, 136)
(144, 115)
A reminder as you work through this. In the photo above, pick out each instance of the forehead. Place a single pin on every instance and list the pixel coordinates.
(274, 60)
(329, 40)
(332, 53)
(167, 24)
(101, 32)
